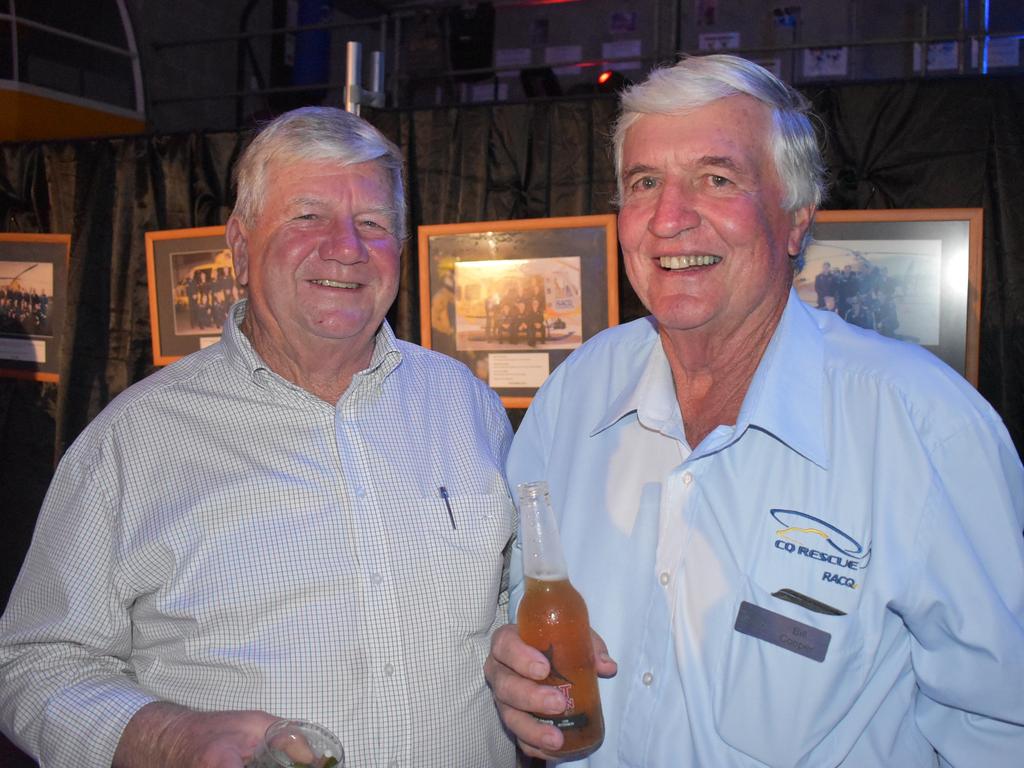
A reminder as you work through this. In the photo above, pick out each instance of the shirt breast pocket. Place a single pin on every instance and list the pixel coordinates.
(775, 703)
(471, 533)
(476, 523)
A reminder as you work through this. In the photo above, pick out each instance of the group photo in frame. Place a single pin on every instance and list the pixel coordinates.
(191, 288)
(33, 304)
(913, 275)
(512, 299)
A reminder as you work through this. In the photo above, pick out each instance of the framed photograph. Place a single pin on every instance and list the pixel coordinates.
(512, 299)
(33, 302)
(909, 274)
(191, 288)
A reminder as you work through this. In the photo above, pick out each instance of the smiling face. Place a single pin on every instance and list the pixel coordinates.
(320, 261)
(706, 242)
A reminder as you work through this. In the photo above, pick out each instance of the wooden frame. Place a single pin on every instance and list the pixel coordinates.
(191, 288)
(928, 277)
(33, 295)
(512, 299)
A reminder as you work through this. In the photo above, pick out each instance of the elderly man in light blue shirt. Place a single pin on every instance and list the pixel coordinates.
(800, 540)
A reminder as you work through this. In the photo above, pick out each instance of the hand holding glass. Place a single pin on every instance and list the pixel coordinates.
(298, 744)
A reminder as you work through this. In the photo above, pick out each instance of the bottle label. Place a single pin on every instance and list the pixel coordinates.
(566, 722)
(566, 691)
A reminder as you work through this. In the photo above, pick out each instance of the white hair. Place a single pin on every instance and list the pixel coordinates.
(316, 133)
(696, 81)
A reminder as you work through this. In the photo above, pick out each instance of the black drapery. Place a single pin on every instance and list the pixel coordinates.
(923, 144)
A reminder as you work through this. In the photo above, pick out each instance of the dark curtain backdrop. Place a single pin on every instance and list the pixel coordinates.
(927, 144)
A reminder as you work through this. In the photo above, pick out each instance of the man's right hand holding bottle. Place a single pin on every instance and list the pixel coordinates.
(513, 670)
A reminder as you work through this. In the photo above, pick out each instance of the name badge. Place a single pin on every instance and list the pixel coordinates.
(782, 631)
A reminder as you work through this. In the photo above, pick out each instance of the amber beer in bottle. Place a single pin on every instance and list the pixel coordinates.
(553, 619)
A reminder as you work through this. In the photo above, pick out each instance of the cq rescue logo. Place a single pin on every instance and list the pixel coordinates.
(804, 535)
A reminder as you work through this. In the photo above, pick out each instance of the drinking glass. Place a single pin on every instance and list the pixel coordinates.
(298, 744)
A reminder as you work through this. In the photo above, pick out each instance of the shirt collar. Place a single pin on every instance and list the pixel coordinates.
(237, 346)
(785, 398)
(386, 355)
(648, 391)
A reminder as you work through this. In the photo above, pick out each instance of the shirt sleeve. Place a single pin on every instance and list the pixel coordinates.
(65, 637)
(499, 434)
(966, 613)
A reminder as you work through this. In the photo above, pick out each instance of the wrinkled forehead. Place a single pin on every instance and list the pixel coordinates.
(309, 179)
(289, 164)
(738, 126)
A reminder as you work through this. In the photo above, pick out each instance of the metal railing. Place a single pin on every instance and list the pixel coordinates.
(130, 52)
(389, 31)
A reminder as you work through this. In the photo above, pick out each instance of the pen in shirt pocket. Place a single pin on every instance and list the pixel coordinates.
(447, 504)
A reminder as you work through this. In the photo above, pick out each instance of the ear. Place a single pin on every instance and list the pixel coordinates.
(238, 243)
(801, 221)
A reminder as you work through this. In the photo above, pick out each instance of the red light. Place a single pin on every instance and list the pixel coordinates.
(604, 77)
(521, 3)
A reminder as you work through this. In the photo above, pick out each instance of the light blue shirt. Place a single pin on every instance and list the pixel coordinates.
(863, 474)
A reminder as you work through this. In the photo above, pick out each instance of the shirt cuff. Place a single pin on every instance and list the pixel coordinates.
(84, 722)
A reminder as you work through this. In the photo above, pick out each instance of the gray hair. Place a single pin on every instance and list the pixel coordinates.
(320, 134)
(696, 81)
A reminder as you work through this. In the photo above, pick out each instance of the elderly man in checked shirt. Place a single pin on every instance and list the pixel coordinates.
(305, 520)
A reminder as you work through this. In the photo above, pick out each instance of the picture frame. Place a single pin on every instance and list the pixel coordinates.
(191, 289)
(513, 298)
(33, 304)
(917, 276)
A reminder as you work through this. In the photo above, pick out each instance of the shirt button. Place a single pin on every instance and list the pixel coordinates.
(360, 491)
(377, 579)
(647, 679)
(389, 669)
(664, 578)
(687, 478)
(393, 764)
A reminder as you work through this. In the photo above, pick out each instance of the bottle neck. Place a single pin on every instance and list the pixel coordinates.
(543, 559)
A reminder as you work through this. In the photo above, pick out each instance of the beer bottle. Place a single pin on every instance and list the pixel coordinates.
(553, 619)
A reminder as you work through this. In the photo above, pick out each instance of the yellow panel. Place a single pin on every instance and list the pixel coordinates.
(32, 117)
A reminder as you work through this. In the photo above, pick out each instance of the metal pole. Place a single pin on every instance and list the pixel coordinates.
(396, 67)
(983, 38)
(15, 69)
(925, 45)
(353, 76)
(961, 53)
(377, 71)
